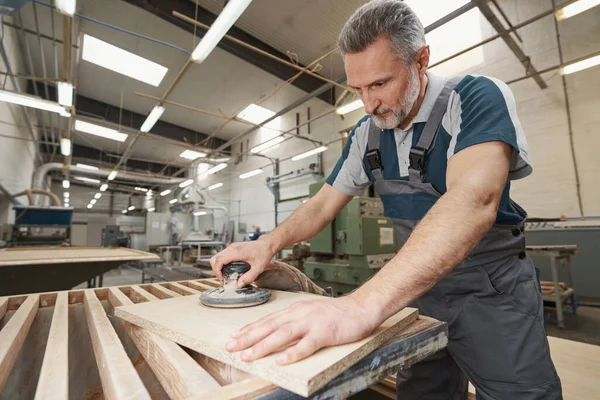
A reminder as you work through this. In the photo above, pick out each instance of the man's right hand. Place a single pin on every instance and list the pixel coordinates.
(257, 253)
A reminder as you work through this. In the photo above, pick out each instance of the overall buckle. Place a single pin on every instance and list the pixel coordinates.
(374, 159)
(417, 159)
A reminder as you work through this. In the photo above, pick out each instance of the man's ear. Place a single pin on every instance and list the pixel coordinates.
(422, 60)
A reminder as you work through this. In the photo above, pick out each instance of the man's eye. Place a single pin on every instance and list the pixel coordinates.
(379, 84)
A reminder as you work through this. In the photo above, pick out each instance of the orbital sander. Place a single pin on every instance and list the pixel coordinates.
(229, 295)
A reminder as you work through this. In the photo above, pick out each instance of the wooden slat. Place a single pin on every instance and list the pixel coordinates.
(13, 335)
(247, 389)
(199, 286)
(117, 373)
(160, 291)
(3, 306)
(177, 372)
(181, 289)
(384, 390)
(139, 295)
(54, 376)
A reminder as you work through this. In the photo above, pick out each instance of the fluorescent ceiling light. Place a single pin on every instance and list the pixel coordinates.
(310, 153)
(220, 160)
(141, 189)
(66, 195)
(199, 213)
(124, 211)
(93, 201)
(575, 8)
(90, 205)
(251, 173)
(219, 28)
(97, 195)
(215, 186)
(255, 114)
(66, 184)
(580, 65)
(165, 192)
(154, 116)
(112, 175)
(355, 105)
(269, 144)
(98, 130)
(186, 183)
(66, 7)
(65, 147)
(88, 180)
(173, 201)
(216, 168)
(151, 209)
(192, 155)
(32, 101)
(85, 166)
(131, 208)
(122, 61)
(65, 94)
(103, 187)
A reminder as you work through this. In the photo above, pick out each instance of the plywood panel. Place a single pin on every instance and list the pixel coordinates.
(206, 330)
(578, 365)
(61, 255)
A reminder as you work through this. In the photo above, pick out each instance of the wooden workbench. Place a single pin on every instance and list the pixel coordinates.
(42, 269)
(69, 345)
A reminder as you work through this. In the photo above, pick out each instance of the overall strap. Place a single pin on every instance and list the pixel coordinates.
(373, 154)
(416, 169)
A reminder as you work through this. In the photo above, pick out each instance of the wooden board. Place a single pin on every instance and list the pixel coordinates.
(54, 377)
(69, 255)
(185, 321)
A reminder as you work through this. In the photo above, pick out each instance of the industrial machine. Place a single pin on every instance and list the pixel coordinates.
(41, 226)
(110, 236)
(351, 249)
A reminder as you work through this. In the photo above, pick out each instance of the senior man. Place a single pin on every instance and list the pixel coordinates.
(441, 154)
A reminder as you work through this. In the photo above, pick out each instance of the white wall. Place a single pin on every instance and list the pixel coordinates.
(17, 149)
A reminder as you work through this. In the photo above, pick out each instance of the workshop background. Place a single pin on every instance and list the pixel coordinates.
(147, 144)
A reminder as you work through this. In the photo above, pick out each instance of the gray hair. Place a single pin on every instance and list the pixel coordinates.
(393, 19)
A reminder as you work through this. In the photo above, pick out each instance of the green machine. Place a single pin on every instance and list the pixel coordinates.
(351, 249)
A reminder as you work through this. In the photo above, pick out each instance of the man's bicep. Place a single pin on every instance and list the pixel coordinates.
(481, 169)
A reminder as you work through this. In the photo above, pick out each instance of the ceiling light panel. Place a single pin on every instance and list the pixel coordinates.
(192, 155)
(97, 130)
(122, 61)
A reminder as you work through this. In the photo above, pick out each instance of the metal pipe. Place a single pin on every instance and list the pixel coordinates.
(51, 117)
(262, 52)
(45, 169)
(569, 121)
(499, 35)
(22, 108)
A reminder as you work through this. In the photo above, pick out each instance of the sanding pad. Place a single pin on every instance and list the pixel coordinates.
(248, 296)
(229, 296)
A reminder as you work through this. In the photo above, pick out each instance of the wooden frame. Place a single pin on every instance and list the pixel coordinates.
(129, 362)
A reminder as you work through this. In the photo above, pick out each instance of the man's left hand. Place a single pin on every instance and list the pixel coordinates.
(311, 325)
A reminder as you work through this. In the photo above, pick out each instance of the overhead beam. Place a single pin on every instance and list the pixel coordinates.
(164, 9)
(512, 44)
(110, 113)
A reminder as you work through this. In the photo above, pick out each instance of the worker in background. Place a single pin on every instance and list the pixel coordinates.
(122, 239)
(441, 153)
(256, 234)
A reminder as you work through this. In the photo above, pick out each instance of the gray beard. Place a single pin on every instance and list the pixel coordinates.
(401, 112)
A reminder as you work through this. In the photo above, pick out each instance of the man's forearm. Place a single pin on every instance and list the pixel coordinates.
(295, 228)
(443, 239)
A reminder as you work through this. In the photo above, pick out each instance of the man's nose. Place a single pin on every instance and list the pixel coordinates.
(370, 103)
